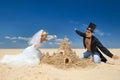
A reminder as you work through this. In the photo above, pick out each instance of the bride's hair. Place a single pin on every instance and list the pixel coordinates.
(36, 37)
(44, 32)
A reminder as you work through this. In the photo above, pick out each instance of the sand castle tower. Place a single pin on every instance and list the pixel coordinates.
(65, 47)
(66, 51)
(64, 57)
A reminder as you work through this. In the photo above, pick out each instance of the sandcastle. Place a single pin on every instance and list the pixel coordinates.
(65, 57)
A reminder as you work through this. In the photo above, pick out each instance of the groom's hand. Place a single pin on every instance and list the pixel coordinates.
(115, 57)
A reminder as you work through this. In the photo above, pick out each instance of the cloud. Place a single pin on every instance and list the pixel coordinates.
(28, 38)
(51, 43)
(84, 26)
(10, 38)
(53, 40)
(1, 43)
(108, 34)
(51, 37)
(24, 38)
(15, 39)
(57, 41)
(100, 33)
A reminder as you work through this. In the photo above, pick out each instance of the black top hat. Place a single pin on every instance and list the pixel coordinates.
(91, 27)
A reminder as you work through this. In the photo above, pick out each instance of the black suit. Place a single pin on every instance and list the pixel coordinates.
(95, 44)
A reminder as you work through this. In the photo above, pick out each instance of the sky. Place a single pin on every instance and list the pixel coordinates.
(21, 19)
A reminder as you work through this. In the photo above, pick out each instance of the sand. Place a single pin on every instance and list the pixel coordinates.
(50, 72)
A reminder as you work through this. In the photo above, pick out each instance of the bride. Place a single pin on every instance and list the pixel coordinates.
(30, 55)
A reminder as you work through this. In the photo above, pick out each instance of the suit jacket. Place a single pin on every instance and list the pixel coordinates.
(95, 46)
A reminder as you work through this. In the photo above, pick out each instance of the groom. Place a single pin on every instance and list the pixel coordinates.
(92, 44)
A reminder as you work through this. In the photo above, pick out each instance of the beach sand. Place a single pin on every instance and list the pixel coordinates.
(43, 71)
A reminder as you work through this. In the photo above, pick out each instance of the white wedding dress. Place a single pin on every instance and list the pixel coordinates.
(29, 57)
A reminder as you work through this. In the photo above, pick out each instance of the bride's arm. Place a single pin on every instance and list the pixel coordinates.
(36, 45)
